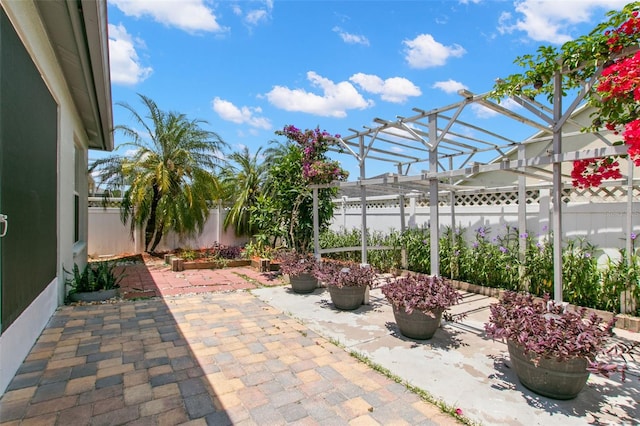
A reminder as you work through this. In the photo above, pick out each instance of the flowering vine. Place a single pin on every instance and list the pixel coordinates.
(317, 168)
(589, 173)
(613, 47)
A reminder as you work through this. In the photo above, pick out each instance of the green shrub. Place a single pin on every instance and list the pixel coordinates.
(95, 276)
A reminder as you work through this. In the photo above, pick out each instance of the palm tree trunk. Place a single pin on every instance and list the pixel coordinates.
(150, 229)
(158, 238)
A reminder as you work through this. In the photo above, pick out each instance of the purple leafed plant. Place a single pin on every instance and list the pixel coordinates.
(425, 293)
(554, 331)
(346, 274)
(294, 263)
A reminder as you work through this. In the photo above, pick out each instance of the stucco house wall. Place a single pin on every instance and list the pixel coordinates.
(84, 121)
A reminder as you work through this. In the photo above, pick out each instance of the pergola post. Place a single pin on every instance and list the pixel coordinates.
(434, 214)
(522, 219)
(219, 221)
(452, 197)
(316, 225)
(557, 189)
(344, 212)
(626, 298)
(363, 204)
(403, 225)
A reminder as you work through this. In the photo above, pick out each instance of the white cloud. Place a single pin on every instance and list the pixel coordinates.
(254, 17)
(335, 100)
(449, 86)
(395, 89)
(351, 38)
(551, 20)
(123, 58)
(424, 52)
(188, 15)
(245, 115)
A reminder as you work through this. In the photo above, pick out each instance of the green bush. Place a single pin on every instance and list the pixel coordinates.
(493, 261)
(383, 260)
(95, 276)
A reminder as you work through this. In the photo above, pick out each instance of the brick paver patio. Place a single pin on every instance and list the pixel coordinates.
(198, 355)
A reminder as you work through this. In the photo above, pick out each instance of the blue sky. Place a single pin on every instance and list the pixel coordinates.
(249, 68)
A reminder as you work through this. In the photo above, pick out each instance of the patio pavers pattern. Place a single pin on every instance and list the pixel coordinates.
(209, 358)
(155, 278)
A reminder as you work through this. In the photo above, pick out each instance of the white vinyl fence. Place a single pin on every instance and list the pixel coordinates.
(109, 236)
(598, 215)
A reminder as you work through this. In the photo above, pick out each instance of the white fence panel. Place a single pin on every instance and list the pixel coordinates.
(602, 220)
(602, 224)
(109, 236)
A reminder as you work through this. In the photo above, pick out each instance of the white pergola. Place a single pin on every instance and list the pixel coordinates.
(439, 151)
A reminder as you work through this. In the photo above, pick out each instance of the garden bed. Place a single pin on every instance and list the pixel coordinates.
(623, 321)
(178, 264)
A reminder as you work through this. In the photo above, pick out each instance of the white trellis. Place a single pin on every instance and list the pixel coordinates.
(448, 149)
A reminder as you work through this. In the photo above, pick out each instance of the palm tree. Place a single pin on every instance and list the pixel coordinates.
(242, 178)
(169, 181)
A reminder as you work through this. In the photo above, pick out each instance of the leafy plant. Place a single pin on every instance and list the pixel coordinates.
(345, 274)
(222, 251)
(294, 263)
(95, 276)
(426, 293)
(258, 248)
(452, 245)
(417, 243)
(538, 271)
(618, 277)
(552, 330)
(188, 254)
(383, 260)
(580, 277)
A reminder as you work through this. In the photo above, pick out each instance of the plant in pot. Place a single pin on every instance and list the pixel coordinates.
(553, 348)
(347, 282)
(96, 282)
(300, 268)
(419, 302)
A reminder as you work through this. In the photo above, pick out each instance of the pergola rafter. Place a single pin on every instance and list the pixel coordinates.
(450, 150)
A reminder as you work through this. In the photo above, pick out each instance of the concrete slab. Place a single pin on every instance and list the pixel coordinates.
(460, 365)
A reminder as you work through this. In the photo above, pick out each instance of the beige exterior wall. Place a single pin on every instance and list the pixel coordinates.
(17, 340)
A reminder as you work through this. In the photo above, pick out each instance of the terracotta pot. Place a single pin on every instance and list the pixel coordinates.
(552, 378)
(347, 298)
(303, 283)
(417, 325)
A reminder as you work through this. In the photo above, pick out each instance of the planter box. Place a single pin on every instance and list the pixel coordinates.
(94, 296)
(274, 266)
(261, 264)
(178, 264)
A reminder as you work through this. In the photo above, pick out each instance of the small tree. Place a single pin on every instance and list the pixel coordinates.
(286, 210)
(242, 178)
(169, 180)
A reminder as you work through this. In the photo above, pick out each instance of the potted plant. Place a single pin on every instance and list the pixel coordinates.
(419, 301)
(552, 347)
(96, 282)
(300, 268)
(347, 282)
